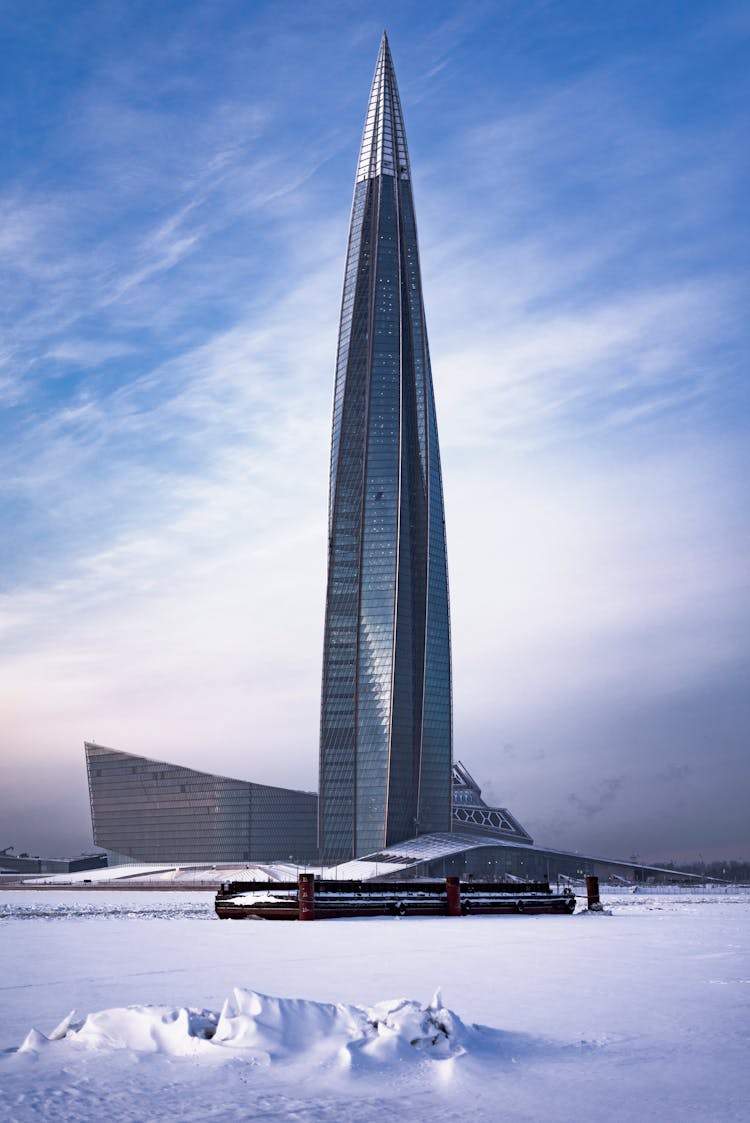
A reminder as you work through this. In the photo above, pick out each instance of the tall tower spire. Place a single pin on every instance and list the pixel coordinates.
(383, 147)
(386, 740)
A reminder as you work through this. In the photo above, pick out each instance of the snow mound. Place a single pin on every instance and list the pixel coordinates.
(267, 1031)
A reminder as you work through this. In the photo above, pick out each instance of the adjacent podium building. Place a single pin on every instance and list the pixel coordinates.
(150, 811)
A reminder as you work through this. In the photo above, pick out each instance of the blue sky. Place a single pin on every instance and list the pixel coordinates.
(175, 192)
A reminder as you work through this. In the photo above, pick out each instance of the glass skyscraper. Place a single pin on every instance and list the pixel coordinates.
(386, 737)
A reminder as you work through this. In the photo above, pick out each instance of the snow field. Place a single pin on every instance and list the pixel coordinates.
(642, 1015)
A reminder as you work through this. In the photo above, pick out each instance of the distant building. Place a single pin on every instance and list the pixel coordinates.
(151, 811)
(385, 741)
(31, 863)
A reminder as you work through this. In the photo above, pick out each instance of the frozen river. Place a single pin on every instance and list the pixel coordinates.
(640, 1015)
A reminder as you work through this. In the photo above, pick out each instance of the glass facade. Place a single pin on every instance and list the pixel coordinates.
(386, 737)
(156, 812)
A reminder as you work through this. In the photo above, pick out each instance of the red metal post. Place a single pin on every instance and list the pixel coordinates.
(592, 892)
(453, 892)
(306, 896)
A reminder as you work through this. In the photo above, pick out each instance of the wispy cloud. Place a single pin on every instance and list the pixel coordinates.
(88, 352)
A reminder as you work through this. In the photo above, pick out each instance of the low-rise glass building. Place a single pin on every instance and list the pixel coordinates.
(150, 811)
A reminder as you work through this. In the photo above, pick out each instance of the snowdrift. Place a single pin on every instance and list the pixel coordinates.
(268, 1031)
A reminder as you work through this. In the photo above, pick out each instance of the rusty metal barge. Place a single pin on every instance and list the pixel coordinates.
(312, 898)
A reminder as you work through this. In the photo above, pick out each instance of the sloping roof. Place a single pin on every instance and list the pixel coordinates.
(431, 847)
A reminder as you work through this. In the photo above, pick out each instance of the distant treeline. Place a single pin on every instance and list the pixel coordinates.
(733, 870)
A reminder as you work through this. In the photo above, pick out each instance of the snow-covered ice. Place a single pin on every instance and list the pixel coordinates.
(641, 1015)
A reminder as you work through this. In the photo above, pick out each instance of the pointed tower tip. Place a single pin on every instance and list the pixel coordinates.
(384, 51)
(383, 150)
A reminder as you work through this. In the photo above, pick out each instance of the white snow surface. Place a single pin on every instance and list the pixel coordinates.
(266, 1030)
(151, 873)
(144, 1006)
